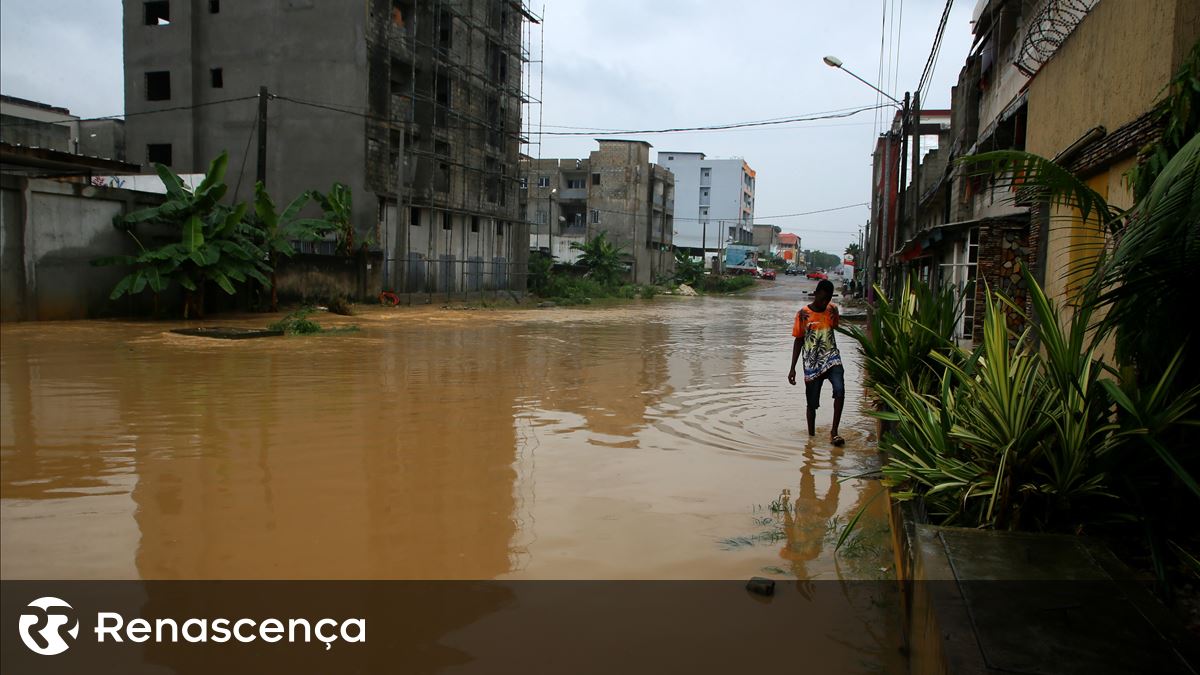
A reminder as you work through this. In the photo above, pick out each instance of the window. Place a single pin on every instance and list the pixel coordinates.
(158, 85)
(524, 182)
(158, 153)
(474, 223)
(446, 222)
(445, 30)
(595, 216)
(214, 6)
(543, 181)
(414, 217)
(595, 179)
(541, 217)
(499, 229)
(575, 184)
(577, 219)
(218, 78)
(157, 13)
(706, 173)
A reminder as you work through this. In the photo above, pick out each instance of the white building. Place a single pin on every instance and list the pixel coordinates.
(714, 200)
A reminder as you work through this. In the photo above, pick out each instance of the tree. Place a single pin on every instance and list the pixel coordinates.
(279, 230)
(687, 270)
(337, 206)
(215, 243)
(601, 259)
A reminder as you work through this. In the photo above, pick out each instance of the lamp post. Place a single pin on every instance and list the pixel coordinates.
(905, 124)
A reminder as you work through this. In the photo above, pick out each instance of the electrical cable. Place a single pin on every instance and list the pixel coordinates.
(128, 115)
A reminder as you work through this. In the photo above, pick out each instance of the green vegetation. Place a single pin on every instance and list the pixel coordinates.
(1035, 431)
(215, 242)
(687, 270)
(821, 260)
(219, 243)
(298, 323)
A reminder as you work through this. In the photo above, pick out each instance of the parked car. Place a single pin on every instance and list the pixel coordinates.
(768, 274)
(792, 270)
(817, 275)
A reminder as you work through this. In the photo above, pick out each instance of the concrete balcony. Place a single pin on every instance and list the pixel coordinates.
(400, 41)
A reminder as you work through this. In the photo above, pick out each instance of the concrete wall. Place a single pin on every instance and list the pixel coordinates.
(320, 278)
(1109, 72)
(312, 52)
(49, 233)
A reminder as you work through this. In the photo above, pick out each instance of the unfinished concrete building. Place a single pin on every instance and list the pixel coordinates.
(616, 190)
(415, 106)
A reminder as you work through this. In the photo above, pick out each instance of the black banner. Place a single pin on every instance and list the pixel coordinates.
(452, 626)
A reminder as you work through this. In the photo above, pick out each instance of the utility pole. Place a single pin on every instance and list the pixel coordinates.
(261, 175)
(904, 124)
(916, 157)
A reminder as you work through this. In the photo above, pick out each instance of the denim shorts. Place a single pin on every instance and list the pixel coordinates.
(836, 377)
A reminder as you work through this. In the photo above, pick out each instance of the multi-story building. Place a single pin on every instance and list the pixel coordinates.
(38, 125)
(415, 106)
(789, 247)
(766, 239)
(714, 200)
(950, 227)
(616, 190)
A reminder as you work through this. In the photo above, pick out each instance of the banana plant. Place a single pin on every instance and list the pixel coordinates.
(338, 207)
(215, 243)
(278, 230)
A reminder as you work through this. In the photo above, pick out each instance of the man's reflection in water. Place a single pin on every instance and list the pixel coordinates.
(807, 519)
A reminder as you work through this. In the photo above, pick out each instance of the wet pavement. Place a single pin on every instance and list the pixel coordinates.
(648, 440)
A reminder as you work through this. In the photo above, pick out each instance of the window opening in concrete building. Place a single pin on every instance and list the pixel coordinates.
(414, 217)
(157, 13)
(524, 182)
(577, 220)
(218, 78)
(543, 181)
(158, 153)
(158, 85)
(595, 216)
(443, 178)
(442, 89)
(214, 6)
(541, 217)
(446, 223)
(394, 148)
(575, 184)
(445, 30)
(595, 179)
(474, 223)
(499, 229)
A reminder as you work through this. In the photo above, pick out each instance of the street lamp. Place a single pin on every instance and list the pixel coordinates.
(835, 62)
(909, 121)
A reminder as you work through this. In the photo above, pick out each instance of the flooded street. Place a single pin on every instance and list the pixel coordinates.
(650, 440)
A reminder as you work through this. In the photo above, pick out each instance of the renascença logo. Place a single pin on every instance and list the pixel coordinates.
(44, 623)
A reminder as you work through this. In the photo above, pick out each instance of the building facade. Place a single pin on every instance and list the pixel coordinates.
(415, 106)
(714, 200)
(1123, 54)
(616, 190)
(38, 125)
(766, 239)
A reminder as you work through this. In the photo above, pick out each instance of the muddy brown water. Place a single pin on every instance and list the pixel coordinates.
(647, 440)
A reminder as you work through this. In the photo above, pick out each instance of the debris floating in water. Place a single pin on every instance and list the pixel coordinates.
(228, 333)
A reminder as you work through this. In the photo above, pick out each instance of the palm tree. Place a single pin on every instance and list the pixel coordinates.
(601, 259)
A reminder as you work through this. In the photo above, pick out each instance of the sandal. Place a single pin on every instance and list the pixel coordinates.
(838, 441)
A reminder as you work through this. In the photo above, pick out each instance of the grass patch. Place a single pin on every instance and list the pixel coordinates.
(298, 323)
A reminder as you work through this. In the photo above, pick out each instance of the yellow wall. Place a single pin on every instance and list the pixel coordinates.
(1111, 70)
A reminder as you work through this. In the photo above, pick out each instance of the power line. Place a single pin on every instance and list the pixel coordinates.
(128, 115)
(721, 127)
(931, 63)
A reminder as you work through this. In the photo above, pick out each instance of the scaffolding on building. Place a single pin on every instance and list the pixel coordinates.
(455, 139)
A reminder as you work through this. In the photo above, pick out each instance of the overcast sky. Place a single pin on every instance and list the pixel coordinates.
(631, 64)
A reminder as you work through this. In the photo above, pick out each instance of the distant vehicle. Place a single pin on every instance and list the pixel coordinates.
(768, 275)
(817, 275)
(792, 270)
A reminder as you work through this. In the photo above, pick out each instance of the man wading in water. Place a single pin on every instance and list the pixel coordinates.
(813, 330)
